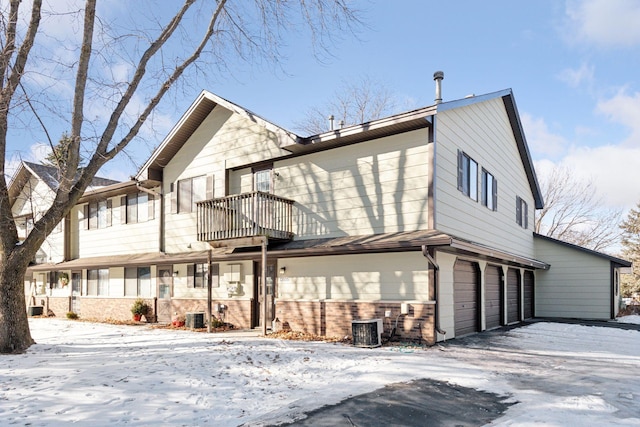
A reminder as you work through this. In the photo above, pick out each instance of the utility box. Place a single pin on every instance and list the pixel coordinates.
(194, 320)
(367, 333)
(35, 310)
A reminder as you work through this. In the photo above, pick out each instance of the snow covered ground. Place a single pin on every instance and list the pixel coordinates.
(98, 374)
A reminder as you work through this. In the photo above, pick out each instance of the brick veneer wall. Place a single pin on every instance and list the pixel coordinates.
(333, 318)
(238, 312)
(108, 308)
(56, 306)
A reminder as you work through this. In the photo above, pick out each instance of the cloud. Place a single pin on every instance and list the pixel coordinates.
(624, 109)
(614, 170)
(604, 23)
(578, 77)
(542, 142)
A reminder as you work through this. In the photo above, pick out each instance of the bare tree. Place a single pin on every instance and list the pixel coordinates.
(573, 212)
(351, 103)
(119, 75)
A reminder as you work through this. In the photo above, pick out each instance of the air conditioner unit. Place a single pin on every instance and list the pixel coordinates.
(194, 320)
(367, 333)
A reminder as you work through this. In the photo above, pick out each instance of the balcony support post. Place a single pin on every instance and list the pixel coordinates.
(263, 275)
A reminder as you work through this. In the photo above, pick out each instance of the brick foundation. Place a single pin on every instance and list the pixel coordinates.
(333, 318)
(108, 308)
(237, 312)
(55, 306)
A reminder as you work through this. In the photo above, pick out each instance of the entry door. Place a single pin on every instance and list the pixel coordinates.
(165, 280)
(76, 291)
(271, 288)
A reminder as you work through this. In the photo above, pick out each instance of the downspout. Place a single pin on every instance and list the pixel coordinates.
(427, 252)
(161, 225)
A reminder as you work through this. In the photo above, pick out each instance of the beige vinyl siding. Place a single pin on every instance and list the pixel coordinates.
(366, 277)
(224, 140)
(379, 186)
(181, 289)
(35, 199)
(36, 196)
(483, 132)
(578, 284)
(118, 239)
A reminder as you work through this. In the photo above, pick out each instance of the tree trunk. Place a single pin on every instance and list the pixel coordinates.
(15, 336)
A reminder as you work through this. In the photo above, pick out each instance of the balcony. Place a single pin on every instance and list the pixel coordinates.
(245, 215)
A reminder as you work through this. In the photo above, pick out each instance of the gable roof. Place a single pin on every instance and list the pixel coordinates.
(398, 123)
(189, 122)
(518, 133)
(46, 174)
(619, 261)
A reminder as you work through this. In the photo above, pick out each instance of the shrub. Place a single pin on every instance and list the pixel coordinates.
(140, 307)
(72, 315)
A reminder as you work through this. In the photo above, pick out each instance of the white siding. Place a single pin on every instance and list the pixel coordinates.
(380, 186)
(118, 239)
(224, 140)
(245, 290)
(34, 200)
(367, 277)
(578, 284)
(483, 132)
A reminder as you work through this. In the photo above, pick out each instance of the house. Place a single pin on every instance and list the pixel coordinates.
(423, 219)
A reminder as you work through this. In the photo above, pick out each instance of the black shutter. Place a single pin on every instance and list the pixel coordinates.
(518, 210)
(123, 210)
(191, 271)
(460, 171)
(174, 198)
(109, 214)
(85, 220)
(152, 206)
(494, 193)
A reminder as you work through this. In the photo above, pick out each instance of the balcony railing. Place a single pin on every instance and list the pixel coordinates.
(245, 215)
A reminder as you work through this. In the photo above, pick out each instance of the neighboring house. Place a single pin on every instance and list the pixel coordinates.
(31, 192)
(425, 216)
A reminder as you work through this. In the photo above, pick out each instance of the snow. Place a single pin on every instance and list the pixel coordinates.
(98, 374)
(634, 318)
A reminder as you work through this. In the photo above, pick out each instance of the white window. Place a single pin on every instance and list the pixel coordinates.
(137, 282)
(522, 212)
(467, 175)
(262, 180)
(489, 191)
(98, 282)
(190, 191)
(98, 214)
(137, 207)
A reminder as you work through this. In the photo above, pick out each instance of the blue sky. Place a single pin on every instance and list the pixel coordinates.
(573, 67)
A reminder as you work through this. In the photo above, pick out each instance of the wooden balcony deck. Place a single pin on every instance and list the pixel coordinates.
(245, 215)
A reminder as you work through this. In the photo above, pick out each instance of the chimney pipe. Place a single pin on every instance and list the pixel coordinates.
(331, 122)
(438, 76)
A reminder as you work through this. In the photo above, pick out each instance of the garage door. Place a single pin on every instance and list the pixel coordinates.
(513, 295)
(492, 300)
(528, 294)
(465, 297)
